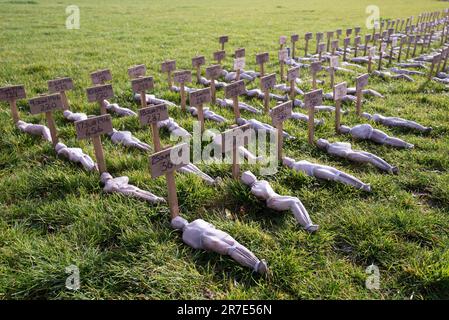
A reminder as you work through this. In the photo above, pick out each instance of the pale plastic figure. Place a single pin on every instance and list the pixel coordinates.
(299, 103)
(208, 114)
(245, 153)
(248, 75)
(305, 118)
(344, 150)
(218, 84)
(286, 88)
(73, 117)
(186, 89)
(174, 128)
(396, 122)
(257, 125)
(257, 93)
(228, 103)
(418, 65)
(201, 235)
(151, 99)
(76, 155)
(407, 72)
(325, 173)
(346, 98)
(192, 169)
(367, 132)
(122, 112)
(348, 64)
(365, 92)
(127, 139)
(35, 130)
(262, 190)
(388, 75)
(340, 69)
(121, 185)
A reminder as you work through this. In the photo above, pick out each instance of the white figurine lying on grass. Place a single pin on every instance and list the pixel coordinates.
(367, 132)
(73, 117)
(121, 185)
(286, 88)
(365, 92)
(325, 173)
(396, 122)
(262, 190)
(249, 75)
(300, 103)
(218, 84)
(127, 139)
(76, 155)
(35, 130)
(201, 235)
(344, 150)
(228, 103)
(174, 128)
(192, 169)
(388, 75)
(208, 114)
(122, 112)
(257, 125)
(257, 93)
(151, 99)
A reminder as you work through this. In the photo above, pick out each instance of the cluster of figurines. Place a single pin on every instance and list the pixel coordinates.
(202, 235)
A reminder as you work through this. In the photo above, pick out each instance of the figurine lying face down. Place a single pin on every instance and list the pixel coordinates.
(257, 125)
(344, 150)
(325, 173)
(201, 235)
(121, 185)
(208, 114)
(35, 130)
(74, 117)
(396, 122)
(127, 139)
(76, 155)
(367, 132)
(262, 190)
(122, 112)
(257, 93)
(386, 75)
(228, 103)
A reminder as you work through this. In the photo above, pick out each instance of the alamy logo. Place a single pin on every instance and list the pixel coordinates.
(374, 15)
(373, 280)
(73, 19)
(73, 280)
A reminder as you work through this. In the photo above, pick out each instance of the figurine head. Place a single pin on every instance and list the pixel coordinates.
(240, 121)
(179, 223)
(366, 115)
(105, 177)
(322, 143)
(288, 161)
(344, 129)
(20, 123)
(261, 267)
(60, 146)
(248, 178)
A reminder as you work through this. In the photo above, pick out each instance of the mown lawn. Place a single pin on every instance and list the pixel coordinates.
(53, 214)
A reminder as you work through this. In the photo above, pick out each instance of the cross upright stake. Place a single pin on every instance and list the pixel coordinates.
(292, 74)
(168, 67)
(98, 94)
(197, 99)
(182, 77)
(47, 104)
(11, 94)
(279, 114)
(311, 100)
(197, 62)
(340, 91)
(61, 85)
(266, 83)
(261, 59)
(100, 78)
(233, 91)
(361, 82)
(93, 128)
(212, 73)
(232, 140)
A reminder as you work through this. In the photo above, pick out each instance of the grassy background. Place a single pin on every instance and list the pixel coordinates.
(53, 214)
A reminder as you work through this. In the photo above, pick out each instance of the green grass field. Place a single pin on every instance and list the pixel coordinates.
(53, 214)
